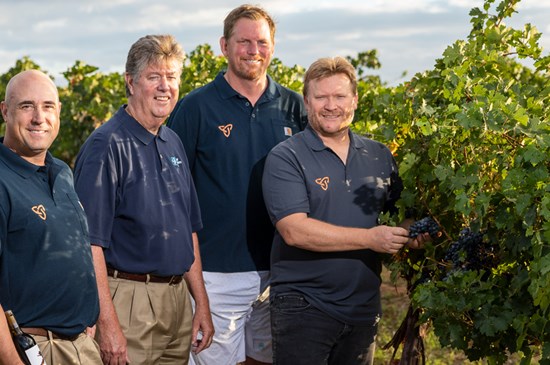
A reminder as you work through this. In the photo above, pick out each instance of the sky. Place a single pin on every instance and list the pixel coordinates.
(409, 35)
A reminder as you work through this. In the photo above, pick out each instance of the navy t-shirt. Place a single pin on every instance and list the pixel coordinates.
(46, 272)
(303, 176)
(139, 196)
(226, 140)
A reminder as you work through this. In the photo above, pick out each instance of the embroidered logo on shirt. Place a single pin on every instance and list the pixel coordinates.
(323, 182)
(288, 131)
(226, 129)
(175, 161)
(40, 211)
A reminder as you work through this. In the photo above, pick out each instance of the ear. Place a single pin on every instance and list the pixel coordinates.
(306, 103)
(4, 109)
(223, 45)
(355, 101)
(129, 82)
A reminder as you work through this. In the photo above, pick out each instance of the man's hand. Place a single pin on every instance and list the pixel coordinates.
(202, 326)
(111, 340)
(112, 345)
(386, 239)
(419, 241)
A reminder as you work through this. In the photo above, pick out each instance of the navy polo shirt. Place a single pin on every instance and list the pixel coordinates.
(139, 196)
(303, 176)
(46, 273)
(227, 140)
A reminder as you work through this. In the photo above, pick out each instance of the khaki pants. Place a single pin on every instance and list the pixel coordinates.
(156, 319)
(82, 351)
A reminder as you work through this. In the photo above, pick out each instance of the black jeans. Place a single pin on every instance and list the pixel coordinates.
(303, 335)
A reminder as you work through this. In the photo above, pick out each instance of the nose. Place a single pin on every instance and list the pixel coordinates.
(330, 104)
(163, 84)
(39, 115)
(252, 48)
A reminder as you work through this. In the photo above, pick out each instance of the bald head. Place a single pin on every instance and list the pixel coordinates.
(29, 76)
(31, 110)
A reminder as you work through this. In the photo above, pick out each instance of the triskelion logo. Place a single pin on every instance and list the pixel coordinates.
(40, 211)
(323, 182)
(226, 129)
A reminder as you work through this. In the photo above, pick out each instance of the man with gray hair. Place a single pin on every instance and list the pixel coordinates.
(134, 182)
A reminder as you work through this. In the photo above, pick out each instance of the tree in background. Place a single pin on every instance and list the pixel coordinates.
(89, 99)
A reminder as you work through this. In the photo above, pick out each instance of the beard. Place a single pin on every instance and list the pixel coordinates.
(249, 73)
(328, 128)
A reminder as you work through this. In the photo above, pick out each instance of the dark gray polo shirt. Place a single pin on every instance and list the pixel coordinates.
(302, 175)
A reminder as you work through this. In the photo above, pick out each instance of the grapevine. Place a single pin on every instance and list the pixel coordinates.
(424, 225)
(471, 252)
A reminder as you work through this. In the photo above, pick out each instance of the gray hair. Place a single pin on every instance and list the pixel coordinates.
(152, 49)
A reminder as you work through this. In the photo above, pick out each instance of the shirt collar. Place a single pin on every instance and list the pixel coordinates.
(227, 92)
(18, 164)
(142, 134)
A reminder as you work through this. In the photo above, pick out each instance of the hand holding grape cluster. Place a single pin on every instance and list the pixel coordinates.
(425, 225)
(468, 252)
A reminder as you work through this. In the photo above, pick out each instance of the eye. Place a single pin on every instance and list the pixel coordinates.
(26, 107)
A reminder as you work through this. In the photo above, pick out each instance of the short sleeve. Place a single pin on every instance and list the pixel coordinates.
(96, 185)
(283, 183)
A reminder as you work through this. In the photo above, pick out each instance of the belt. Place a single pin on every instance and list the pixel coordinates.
(144, 278)
(37, 331)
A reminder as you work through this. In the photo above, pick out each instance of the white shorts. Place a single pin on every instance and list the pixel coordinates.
(239, 303)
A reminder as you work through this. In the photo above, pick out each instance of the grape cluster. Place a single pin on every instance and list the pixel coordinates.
(425, 225)
(470, 252)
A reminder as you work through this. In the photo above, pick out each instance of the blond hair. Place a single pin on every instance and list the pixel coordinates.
(326, 67)
(247, 11)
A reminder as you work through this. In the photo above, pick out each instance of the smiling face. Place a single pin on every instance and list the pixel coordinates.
(31, 111)
(249, 49)
(330, 105)
(154, 93)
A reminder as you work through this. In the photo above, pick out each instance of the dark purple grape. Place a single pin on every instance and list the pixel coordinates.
(470, 252)
(425, 225)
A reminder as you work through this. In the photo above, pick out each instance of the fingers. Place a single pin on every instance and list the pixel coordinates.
(420, 241)
(115, 356)
(202, 343)
(207, 340)
(90, 331)
(393, 248)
